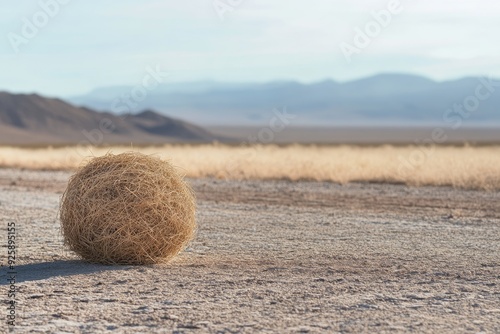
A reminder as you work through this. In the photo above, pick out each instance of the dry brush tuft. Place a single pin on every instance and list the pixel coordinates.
(128, 208)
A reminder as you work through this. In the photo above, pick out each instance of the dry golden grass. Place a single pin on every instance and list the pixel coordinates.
(464, 167)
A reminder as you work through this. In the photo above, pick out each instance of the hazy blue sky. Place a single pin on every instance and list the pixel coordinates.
(89, 44)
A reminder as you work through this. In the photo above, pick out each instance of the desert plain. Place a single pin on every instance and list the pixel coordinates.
(272, 255)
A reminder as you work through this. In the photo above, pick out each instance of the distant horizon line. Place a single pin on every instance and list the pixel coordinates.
(215, 82)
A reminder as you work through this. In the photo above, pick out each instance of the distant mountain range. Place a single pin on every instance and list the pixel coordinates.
(35, 120)
(236, 112)
(381, 99)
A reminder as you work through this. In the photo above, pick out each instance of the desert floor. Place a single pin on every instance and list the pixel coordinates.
(270, 256)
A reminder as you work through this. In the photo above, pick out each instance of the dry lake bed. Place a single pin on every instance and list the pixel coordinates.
(269, 257)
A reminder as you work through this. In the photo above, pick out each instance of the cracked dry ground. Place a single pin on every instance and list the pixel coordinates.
(271, 256)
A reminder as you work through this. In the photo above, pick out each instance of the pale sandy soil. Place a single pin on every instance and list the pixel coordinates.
(271, 256)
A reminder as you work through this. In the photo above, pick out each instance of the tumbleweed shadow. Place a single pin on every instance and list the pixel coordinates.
(45, 270)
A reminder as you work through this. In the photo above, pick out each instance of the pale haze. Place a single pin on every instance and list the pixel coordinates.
(89, 44)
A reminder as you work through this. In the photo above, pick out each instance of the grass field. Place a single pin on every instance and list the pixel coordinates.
(457, 166)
